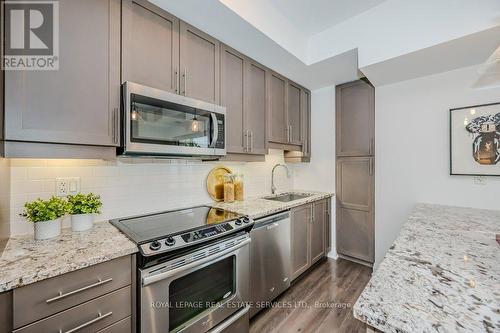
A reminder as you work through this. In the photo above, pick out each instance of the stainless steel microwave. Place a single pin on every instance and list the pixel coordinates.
(160, 123)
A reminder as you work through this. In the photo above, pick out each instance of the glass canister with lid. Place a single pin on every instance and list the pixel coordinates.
(229, 188)
(239, 187)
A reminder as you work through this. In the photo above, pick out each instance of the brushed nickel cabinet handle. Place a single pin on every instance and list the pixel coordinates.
(76, 291)
(176, 81)
(290, 133)
(117, 125)
(113, 125)
(251, 140)
(185, 80)
(371, 148)
(371, 167)
(90, 322)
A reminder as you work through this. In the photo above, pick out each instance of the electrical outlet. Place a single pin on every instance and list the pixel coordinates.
(480, 180)
(67, 186)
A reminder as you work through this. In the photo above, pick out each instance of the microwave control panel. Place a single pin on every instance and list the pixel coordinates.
(221, 134)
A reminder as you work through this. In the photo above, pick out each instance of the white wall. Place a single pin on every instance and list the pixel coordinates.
(133, 186)
(412, 150)
(4, 199)
(319, 174)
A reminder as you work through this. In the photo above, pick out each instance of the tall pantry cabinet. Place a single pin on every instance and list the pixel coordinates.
(355, 154)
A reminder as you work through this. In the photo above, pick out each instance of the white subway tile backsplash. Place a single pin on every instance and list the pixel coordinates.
(131, 186)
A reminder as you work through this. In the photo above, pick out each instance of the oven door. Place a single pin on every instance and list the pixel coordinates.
(162, 123)
(196, 292)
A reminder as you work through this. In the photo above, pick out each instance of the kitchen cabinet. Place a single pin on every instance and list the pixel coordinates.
(305, 113)
(300, 218)
(6, 311)
(199, 64)
(355, 188)
(256, 107)
(355, 119)
(278, 124)
(233, 98)
(97, 297)
(243, 93)
(150, 46)
(318, 226)
(294, 116)
(355, 154)
(79, 103)
(308, 240)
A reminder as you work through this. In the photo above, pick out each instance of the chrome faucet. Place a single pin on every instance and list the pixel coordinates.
(273, 188)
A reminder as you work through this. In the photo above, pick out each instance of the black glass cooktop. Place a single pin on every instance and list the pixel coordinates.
(149, 227)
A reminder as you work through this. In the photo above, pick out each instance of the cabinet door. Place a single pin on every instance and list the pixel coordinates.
(318, 230)
(301, 256)
(278, 128)
(232, 97)
(306, 123)
(355, 112)
(78, 103)
(355, 234)
(6, 311)
(355, 182)
(294, 114)
(150, 51)
(199, 64)
(256, 108)
(355, 230)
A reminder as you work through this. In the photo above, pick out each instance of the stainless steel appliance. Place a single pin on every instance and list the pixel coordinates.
(161, 123)
(193, 269)
(270, 259)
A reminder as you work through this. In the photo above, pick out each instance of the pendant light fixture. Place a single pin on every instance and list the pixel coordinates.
(195, 124)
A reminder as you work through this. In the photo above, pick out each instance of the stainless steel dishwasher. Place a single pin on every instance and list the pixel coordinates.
(270, 259)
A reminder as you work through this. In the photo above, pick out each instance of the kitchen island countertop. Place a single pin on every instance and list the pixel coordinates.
(442, 274)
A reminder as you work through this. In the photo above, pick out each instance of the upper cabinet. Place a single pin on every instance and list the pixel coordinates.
(355, 105)
(199, 64)
(243, 93)
(294, 114)
(232, 93)
(150, 40)
(278, 125)
(256, 107)
(79, 103)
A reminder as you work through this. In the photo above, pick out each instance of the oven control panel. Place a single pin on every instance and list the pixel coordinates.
(175, 242)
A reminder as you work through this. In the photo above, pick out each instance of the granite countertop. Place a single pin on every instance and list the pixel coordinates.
(26, 261)
(442, 274)
(259, 207)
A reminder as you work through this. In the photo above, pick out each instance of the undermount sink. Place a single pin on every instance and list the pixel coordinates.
(287, 197)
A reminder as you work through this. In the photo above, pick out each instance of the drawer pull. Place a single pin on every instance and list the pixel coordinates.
(90, 286)
(90, 322)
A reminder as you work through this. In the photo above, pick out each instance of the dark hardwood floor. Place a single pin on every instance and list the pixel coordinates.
(321, 301)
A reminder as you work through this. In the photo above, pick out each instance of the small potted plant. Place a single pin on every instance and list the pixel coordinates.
(46, 216)
(83, 207)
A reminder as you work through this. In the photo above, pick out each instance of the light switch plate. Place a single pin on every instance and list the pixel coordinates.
(67, 186)
(480, 180)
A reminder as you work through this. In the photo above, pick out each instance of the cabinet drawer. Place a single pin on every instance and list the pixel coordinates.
(87, 317)
(123, 326)
(53, 295)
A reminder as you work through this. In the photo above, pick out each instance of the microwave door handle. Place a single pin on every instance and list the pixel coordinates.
(215, 130)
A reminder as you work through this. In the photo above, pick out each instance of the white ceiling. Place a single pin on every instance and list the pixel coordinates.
(313, 16)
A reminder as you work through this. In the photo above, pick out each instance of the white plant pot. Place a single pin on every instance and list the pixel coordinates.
(82, 222)
(47, 229)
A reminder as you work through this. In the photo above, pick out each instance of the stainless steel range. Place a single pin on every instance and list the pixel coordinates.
(193, 269)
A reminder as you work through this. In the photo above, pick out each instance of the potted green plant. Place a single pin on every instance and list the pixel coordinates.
(46, 216)
(83, 209)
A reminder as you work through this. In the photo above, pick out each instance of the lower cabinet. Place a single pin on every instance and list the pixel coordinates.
(309, 240)
(94, 299)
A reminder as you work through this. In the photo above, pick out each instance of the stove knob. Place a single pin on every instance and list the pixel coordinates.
(170, 241)
(246, 220)
(238, 222)
(155, 245)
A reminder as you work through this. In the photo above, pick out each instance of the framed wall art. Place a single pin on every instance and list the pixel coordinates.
(475, 140)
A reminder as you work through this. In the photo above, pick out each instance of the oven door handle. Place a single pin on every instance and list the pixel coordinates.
(225, 324)
(165, 275)
(215, 130)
